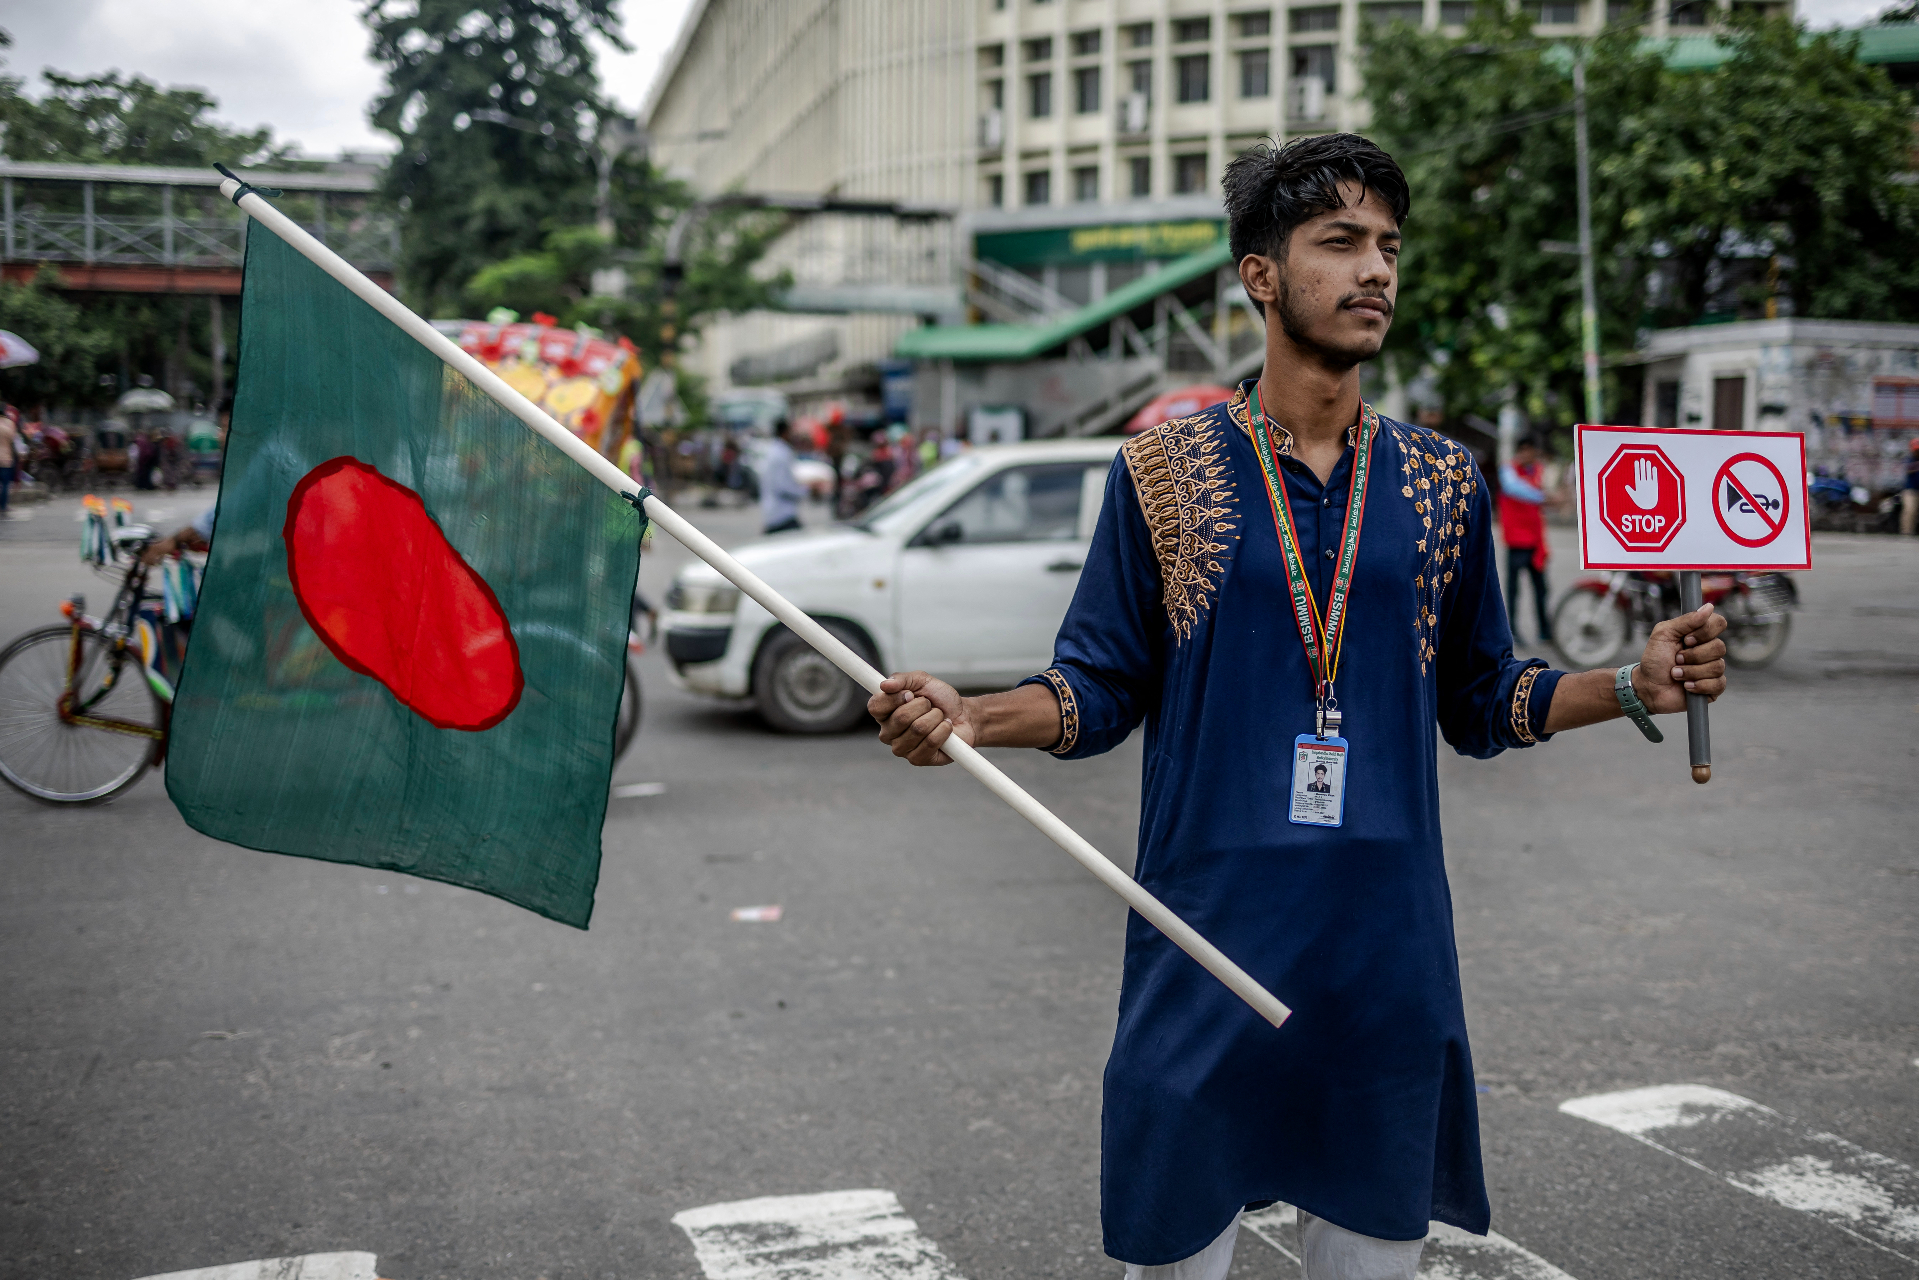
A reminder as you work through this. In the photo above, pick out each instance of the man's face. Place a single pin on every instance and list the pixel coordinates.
(1525, 455)
(1333, 292)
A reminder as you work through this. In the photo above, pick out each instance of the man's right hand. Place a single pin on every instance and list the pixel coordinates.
(917, 713)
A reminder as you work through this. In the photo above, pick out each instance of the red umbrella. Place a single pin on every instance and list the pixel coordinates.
(1177, 404)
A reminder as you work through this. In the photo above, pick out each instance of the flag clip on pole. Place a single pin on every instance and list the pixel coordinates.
(1187, 938)
(1698, 731)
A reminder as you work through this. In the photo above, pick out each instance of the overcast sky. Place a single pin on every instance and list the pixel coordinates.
(301, 65)
(298, 65)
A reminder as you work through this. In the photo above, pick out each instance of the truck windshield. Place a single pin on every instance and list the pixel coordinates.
(953, 471)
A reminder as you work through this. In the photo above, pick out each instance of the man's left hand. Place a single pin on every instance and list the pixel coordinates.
(1683, 655)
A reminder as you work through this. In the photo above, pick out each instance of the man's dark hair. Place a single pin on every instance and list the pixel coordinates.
(1271, 188)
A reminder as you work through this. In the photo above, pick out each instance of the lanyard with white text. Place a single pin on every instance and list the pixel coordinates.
(1322, 641)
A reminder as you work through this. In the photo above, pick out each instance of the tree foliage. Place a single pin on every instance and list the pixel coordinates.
(71, 348)
(495, 106)
(1784, 171)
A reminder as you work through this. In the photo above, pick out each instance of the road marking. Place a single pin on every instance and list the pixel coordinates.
(1870, 1197)
(311, 1266)
(628, 790)
(836, 1235)
(1450, 1254)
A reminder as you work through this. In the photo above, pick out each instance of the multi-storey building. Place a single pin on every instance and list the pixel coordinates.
(1080, 142)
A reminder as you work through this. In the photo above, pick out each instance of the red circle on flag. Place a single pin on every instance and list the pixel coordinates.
(1760, 515)
(385, 591)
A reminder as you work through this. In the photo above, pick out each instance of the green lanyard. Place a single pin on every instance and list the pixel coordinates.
(1322, 640)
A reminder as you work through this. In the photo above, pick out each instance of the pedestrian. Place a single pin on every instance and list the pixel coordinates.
(1360, 1110)
(11, 454)
(1909, 496)
(1522, 523)
(780, 492)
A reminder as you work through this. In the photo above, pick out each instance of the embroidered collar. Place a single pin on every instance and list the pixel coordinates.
(1240, 407)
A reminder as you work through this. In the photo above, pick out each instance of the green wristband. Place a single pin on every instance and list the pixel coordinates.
(1630, 704)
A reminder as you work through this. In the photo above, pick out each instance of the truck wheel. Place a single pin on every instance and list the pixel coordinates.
(799, 691)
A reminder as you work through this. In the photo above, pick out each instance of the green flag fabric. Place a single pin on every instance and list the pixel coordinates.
(410, 642)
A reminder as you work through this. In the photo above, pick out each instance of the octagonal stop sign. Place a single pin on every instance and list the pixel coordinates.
(1642, 497)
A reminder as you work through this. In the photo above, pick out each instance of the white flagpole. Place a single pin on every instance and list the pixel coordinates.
(1155, 912)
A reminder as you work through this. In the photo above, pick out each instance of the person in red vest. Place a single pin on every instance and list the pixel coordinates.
(1522, 524)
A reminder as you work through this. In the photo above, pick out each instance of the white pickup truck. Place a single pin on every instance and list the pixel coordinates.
(965, 572)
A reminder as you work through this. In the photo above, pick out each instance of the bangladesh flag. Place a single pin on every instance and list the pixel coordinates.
(411, 638)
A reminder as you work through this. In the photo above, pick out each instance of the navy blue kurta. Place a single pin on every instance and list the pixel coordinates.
(1361, 1108)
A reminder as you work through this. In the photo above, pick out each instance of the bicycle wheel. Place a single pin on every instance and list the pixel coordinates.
(1589, 630)
(628, 722)
(53, 759)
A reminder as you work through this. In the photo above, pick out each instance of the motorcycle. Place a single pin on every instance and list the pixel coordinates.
(1840, 506)
(1598, 622)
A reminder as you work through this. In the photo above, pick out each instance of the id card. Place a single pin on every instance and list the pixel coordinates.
(1319, 781)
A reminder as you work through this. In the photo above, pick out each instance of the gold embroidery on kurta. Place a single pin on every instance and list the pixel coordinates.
(1068, 711)
(1438, 475)
(1522, 715)
(1183, 480)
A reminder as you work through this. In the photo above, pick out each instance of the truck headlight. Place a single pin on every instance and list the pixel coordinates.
(720, 598)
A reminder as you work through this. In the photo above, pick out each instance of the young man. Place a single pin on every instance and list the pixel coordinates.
(1199, 612)
(1522, 523)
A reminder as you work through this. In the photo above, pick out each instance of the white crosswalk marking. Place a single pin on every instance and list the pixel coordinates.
(311, 1266)
(1450, 1254)
(836, 1235)
(1871, 1197)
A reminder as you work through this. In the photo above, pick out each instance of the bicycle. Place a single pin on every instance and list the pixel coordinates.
(84, 706)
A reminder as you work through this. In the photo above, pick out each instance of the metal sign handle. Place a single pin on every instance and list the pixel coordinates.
(1698, 731)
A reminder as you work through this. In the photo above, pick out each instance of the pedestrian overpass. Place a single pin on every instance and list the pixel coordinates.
(153, 229)
(1084, 370)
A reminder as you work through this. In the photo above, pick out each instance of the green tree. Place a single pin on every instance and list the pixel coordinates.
(495, 106)
(1784, 166)
(71, 349)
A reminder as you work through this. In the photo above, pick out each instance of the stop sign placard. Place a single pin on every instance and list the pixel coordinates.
(1642, 497)
(1648, 498)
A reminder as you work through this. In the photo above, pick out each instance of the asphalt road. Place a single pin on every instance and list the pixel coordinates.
(211, 1055)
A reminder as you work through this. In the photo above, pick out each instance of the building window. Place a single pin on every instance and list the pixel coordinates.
(1324, 17)
(1039, 50)
(1455, 13)
(1255, 73)
(1139, 35)
(1189, 174)
(1190, 30)
(1086, 90)
(1039, 187)
(1665, 404)
(1195, 77)
(995, 189)
(1142, 75)
(1895, 402)
(992, 55)
(1254, 24)
(1314, 61)
(1553, 12)
(1086, 184)
(1039, 95)
(996, 94)
(1085, 42)
(1409, 12)
(1139, 177)
(1688, 13)
(1624, 11)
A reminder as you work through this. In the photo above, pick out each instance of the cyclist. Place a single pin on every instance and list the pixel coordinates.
(194, 537)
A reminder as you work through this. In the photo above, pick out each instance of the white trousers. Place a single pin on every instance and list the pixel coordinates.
(1326, 1252)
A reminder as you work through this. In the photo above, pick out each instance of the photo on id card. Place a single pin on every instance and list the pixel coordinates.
(1319, 781)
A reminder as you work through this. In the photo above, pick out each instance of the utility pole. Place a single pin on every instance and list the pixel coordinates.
(1588, 293)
